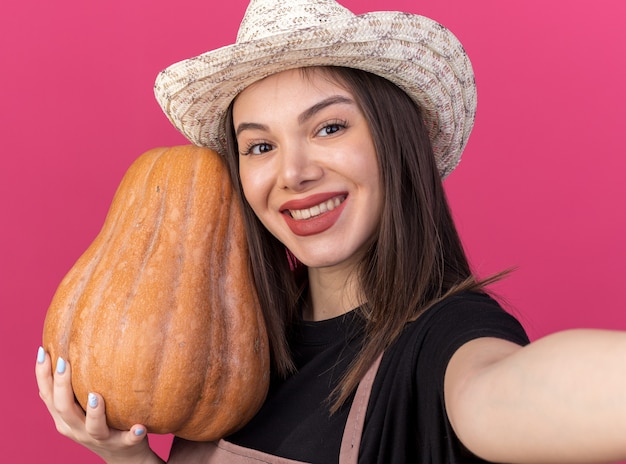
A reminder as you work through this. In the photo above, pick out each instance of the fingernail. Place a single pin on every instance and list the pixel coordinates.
(60, 365)
(41, 355)
(139, 431)
(92, 400)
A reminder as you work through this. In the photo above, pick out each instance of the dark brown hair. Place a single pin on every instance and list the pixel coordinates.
(417, 258)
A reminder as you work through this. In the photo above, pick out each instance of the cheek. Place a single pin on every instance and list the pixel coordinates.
(368, 169)
(254, 185)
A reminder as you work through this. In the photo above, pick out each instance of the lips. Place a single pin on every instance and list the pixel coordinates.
(314, 214)
(329, 205)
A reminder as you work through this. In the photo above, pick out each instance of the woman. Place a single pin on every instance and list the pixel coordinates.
(385, 348)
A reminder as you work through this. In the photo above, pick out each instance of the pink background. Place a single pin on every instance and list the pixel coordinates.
(541, 185)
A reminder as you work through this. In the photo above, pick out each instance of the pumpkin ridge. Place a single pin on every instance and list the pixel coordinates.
(248, 369)
(169, 316)
(109, 276)
(90, 259)
(88, 263)
(184, 259)
(216, 378)
(213, 382)
(114, 220)
(154, 235)
(215, 336)
(186, 264)
(229, 323)
(217, 387)
(246, 320)
(220, 388)
(143, 398)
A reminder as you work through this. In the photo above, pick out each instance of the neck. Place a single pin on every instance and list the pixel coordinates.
(332, 292)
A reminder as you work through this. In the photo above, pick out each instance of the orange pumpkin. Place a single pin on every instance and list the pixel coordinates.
(159, 315)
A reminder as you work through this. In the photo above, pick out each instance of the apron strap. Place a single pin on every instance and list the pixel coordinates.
(349, 452)
(189, 452)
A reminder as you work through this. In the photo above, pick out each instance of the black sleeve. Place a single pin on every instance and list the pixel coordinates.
(447, 327)
(456, 321)
(406, 419)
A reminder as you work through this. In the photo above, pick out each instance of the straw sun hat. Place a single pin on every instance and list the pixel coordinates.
(416, 53)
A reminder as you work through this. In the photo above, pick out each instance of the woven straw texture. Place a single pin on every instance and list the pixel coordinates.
(416, 53)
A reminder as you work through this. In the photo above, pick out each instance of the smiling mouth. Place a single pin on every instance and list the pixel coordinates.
(314, 211)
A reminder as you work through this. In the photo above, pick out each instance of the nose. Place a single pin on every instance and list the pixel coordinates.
(298, 169)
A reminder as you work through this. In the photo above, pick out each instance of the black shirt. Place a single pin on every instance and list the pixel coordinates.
(406, 420)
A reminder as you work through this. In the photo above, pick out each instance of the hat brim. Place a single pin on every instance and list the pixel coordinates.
(416, 53)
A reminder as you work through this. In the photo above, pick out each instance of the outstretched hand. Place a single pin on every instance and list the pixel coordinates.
(88, 428)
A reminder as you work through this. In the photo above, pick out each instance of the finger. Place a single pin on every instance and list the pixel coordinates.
(63, 398)
(95, 418)
(47, 392)
(135, 436)
(96, 425)
(43, 373)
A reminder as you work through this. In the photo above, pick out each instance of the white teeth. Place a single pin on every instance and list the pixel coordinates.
(316, 210)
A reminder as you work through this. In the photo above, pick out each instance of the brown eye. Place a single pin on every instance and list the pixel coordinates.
(332, 128)
(258, 149)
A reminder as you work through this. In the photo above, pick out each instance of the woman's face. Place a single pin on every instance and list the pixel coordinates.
(308, 166)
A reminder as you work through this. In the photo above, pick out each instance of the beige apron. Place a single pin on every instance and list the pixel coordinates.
(223, 452)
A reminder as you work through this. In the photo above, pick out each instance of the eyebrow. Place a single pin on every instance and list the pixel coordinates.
(303, 117)
(332, 100)
(250, 125)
